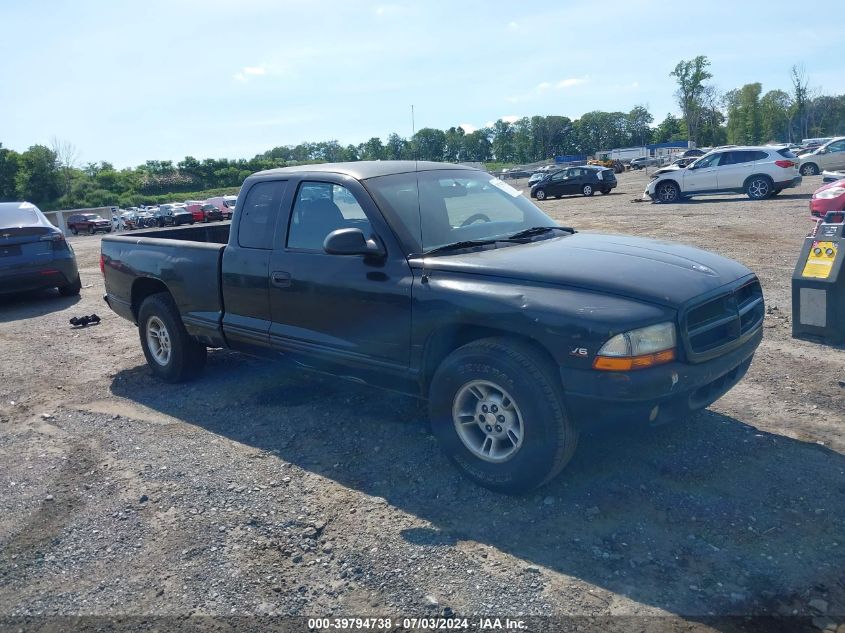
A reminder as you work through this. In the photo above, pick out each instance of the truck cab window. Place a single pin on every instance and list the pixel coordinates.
(321, 208)
(258, 216)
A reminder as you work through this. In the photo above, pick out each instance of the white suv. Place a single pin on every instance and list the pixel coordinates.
(759, 172)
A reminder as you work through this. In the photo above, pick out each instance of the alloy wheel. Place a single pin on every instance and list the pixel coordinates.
(158, 340)
(488, 421)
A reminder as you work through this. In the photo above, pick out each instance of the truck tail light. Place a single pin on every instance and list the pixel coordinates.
(784, 163)
(102, 265)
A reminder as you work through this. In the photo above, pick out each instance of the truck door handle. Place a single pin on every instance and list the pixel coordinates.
(280, 278)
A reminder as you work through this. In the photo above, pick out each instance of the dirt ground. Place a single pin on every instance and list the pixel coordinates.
(259, 490)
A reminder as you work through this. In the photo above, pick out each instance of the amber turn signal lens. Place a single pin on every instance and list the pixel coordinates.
(627, 363)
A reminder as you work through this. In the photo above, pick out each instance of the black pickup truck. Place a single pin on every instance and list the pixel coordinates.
(444, 282)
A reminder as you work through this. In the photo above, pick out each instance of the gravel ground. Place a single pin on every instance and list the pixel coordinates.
(259, 490)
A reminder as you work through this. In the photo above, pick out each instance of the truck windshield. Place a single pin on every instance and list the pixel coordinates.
(430, 209)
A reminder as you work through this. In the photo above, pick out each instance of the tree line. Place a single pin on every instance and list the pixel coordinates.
(52, 178)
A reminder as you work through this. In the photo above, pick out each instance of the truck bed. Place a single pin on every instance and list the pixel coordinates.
(183, 260)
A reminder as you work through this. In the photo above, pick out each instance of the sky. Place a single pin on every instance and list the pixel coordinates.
(131, 81)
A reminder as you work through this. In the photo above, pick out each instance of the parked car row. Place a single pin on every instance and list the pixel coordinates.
(169, 214)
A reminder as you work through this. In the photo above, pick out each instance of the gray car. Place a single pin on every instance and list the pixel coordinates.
(33, 253)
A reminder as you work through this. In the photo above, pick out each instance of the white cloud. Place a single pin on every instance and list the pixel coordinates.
(246, 72)
(488, 124)
(383, 10)
(569, 83)
(510, 118)
(468, 128)
(513, 26)
(543, 87)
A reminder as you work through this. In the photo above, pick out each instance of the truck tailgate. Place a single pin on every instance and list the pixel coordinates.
(135, 265)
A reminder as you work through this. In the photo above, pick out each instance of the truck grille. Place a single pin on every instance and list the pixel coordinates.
(722, 322)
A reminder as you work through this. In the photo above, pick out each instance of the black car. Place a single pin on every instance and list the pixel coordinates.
(33, 253)
(585, 180)
(167, 215)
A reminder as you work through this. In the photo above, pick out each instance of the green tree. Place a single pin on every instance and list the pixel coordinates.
(522, 141)
(396, 147)
(774, 110)
(477, 145)
(745, 125)
(429, 144)
(373, 149)
(800, 101)
(668, 130)
(454, 150)
(503, 141)
(38, 179)
(828, 116)
(691, 76)
(638, 126)
(8, 173)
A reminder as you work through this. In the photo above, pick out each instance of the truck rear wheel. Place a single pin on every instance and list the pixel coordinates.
(170, 351)
(497, 409)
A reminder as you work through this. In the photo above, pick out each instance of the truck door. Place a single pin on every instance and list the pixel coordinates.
(246, 265)
(346, 309)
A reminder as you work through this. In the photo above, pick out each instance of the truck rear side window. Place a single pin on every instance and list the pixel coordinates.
(258, 216)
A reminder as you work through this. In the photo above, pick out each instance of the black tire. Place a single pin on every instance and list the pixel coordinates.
(72, 289)
(74, 230)
(528, 379)
(186, 357)
(809, 169)
(667, 192)
(604, 192)
(588, 190)
(759, 187)
(91, 230)
(776, 192)
(540, 194)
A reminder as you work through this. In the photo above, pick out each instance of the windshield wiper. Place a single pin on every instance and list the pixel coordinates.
(539, 230)
(454, 246)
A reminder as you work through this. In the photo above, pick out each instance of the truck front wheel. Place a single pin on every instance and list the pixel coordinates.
(170, 351)
(497, 410)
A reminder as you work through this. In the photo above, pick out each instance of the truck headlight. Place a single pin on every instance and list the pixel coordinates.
(638, 349)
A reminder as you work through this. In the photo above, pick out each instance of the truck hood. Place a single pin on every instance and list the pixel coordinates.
(643, 269)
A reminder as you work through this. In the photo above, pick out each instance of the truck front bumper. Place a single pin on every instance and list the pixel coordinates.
(657, 395)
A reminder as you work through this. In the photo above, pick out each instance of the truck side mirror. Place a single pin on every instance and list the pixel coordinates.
(351, 242)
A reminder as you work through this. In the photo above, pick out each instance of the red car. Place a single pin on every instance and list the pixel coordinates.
(830, 197)
(205, 212)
